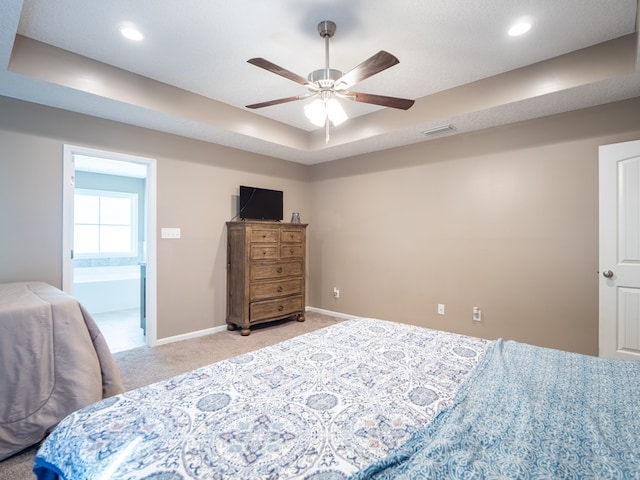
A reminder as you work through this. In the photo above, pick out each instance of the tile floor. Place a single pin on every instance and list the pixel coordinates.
(121, 329)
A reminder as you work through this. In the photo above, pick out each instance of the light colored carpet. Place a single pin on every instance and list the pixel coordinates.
(142, 366)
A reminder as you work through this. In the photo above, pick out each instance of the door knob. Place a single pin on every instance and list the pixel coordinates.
(608, 274)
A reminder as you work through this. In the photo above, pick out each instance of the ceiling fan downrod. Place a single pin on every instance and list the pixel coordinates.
(326, 29)
(326, 76)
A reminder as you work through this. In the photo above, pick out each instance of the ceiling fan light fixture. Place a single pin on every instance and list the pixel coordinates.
(335, 112)
(318, 111)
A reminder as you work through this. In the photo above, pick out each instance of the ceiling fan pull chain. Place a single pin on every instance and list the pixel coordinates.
(326, 130)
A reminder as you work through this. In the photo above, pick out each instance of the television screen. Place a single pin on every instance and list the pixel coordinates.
(260, 203)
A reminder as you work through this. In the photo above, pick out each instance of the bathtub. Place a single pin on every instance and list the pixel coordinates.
(107, 289)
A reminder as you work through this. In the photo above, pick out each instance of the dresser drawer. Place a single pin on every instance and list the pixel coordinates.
(265, 271)
(275, 308)
(291, 235)
(264, 252)
(291, 251)
(280, 288)
(264, 235)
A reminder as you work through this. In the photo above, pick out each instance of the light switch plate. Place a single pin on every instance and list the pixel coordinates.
(170, 233)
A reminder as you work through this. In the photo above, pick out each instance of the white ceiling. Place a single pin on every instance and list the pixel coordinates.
(201, 47)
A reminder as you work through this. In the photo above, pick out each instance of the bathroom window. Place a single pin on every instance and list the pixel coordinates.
(105, 224)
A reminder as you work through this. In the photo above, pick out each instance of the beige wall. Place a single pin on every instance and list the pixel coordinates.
(505, 219)
(196, 191)
(30, 208)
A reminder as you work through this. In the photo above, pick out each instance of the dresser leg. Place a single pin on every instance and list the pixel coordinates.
(231, 326)
(301, 317)
(245, 332)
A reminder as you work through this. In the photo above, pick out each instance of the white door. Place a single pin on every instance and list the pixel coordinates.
(619, 263)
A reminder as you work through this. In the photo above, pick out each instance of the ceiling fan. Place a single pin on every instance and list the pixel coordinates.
(327, 84)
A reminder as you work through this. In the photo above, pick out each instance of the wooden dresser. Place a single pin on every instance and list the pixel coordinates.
(265, 273)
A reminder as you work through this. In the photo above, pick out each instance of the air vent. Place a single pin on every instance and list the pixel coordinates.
(439, 130)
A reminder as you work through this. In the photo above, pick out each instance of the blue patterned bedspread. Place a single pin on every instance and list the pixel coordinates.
(529, 412)
(320, 406)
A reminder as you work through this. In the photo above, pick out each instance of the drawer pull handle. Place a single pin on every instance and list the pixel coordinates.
(264, 252)
(291, 251)
(279, 270)
(279, 288)
(280, 308)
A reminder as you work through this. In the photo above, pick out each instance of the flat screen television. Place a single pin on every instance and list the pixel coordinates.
(260, 204)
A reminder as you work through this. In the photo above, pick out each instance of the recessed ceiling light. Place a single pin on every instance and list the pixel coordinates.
(132, 33)
(520, 28)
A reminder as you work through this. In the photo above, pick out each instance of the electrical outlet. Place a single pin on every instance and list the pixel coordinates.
(336, 292)
(441, 309)
(477, 314)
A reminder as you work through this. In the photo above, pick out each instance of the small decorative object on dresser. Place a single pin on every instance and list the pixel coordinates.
(265, 273)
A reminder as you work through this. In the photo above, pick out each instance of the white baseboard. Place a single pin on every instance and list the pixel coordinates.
(187, 336)
(222, 328)
(330, 313)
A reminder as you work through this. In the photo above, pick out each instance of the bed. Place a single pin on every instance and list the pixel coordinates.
(53, 361)
(321, 405)
(365, 398)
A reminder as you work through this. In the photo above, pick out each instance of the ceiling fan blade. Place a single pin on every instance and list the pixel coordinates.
(393, 102)
(283, 72)
(375, 64)
(279, 101)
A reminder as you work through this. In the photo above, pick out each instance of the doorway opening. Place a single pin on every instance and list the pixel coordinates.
(109, 208)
